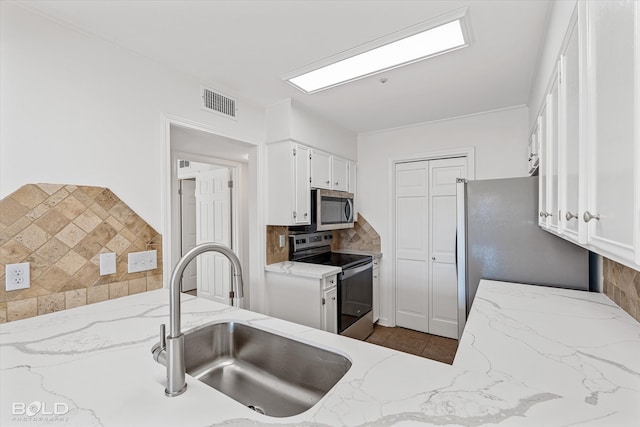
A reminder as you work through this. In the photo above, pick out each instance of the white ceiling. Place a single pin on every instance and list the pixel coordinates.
(245, 47)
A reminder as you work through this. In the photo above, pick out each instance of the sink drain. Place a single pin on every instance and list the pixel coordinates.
(257, 409)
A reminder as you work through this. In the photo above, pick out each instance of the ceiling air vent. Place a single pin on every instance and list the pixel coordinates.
(217, 103)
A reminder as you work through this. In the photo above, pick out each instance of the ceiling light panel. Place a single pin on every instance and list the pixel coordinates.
(415, 47)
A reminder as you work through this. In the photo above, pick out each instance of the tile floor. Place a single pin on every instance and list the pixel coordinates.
(425, 345)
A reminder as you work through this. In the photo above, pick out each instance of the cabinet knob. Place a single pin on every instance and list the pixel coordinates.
(588, 216)
(295, 214)
(433, 258)
(305, 214)
(328, 182)
(569, 216)
(337, 183)
(333, 298)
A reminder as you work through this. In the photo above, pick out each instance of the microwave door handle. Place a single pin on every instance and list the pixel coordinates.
(348, 210)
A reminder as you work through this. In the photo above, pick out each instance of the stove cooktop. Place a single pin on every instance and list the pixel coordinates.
(337, 259)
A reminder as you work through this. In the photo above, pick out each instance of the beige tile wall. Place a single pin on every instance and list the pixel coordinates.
(622, 285)
(362, 237)
(274, 252)
(61, 230)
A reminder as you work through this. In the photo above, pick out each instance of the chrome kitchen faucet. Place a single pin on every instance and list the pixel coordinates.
(171, 348)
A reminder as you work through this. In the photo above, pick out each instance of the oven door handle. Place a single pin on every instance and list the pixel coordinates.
(349, 272)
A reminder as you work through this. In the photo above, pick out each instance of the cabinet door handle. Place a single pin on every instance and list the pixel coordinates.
(305, 214)
(328, 182)
(433, 258)
(545, 214)
(295, 214)
(588, 216)
(337, 183)
(569, 216)
(333, 298)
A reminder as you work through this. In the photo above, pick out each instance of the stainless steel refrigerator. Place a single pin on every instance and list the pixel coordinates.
(499, 238)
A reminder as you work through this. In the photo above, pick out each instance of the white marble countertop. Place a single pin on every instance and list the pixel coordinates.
(96, 360)
(571, 343)
(304, 269)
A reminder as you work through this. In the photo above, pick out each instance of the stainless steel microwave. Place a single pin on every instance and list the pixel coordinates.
(331, 210)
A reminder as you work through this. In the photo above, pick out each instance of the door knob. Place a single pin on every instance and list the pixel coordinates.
(569, 216)
(588, 216)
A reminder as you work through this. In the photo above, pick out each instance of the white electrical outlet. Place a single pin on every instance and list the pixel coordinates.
(17, 276)
(142, 261)
(281, 241)
(107, 263)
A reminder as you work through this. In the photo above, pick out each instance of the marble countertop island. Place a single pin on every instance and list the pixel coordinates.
(93, 366)
(570, 343)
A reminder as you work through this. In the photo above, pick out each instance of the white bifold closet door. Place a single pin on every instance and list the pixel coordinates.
(425, 270)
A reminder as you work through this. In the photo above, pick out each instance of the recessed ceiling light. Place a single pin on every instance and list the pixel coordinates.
(392, 54)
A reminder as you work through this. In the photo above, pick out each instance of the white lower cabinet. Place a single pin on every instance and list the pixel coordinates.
(308, 301)
(596, 198)
(330, 310)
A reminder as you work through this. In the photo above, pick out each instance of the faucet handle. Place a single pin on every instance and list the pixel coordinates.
(163, 336)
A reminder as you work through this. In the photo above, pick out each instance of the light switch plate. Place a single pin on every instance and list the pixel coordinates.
(107, 263)
(142, 261)
(17, 276)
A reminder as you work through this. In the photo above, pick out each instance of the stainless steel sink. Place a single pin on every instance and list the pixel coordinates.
(268, 373)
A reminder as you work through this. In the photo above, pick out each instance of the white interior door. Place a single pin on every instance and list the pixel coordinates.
(443, 282)
(213, 207)
(411, 266)
(188, 229)
(425, 268)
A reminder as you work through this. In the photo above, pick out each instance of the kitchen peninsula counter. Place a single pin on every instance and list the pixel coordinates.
(571, 343)
(96, 360)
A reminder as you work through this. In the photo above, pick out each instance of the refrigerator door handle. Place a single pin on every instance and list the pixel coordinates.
(461, 273)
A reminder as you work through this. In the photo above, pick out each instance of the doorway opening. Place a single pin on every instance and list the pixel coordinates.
(210, 181)
(207, 214)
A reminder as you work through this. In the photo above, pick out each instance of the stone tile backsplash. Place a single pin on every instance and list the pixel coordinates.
(622, 285)
(362, 237)
(61, 230)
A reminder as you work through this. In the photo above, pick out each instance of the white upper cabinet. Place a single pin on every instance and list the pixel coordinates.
(542, 172)
(320, 169)
(611, 208)
(569, 158)
(289, 190)
(534, 159)
(340, 174)
(552, 155)
(329, 171)
(590, 158)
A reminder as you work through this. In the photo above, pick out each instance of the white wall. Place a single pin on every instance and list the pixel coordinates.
(289, 120)
(561, 13)
(79, 110)
(500, 141)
